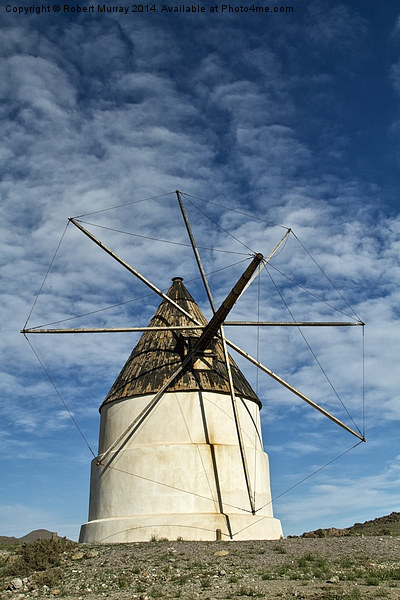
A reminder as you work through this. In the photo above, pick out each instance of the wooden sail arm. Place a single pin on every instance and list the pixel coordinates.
(135, 424)
(195, 327)
(130, 269)
(115, 329)
(295, 391)
(198, 260)
(237, 424)
(196, 252)
(219, 317)
(267, 259)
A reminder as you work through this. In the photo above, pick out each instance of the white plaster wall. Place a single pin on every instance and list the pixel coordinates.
(188, 527)
(177, 418)
(169, 477)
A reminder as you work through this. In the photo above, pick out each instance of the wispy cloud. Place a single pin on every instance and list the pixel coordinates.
(336, 499)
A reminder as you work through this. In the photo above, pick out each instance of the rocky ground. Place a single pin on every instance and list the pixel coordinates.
(313, 568)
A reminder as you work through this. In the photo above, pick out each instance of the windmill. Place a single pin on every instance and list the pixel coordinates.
(180, 444)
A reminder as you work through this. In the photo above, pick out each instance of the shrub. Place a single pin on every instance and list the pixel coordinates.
(155, 538)
(250, 592)
(280, 549)
(39, 555)
(205, 583)
(122, 582)
(50, 577)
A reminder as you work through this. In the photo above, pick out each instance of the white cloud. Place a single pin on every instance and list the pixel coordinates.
(335, 26)
(342, 500)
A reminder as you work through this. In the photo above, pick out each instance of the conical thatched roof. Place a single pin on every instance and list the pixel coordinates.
(158, 354)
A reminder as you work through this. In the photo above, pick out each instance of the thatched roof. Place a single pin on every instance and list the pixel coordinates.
(158, 354)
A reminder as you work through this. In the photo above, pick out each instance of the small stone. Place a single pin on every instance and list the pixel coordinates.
(221, 553)
(77, 556)
(334, 579)
(16, 584)
(55, 592)
(92, 554)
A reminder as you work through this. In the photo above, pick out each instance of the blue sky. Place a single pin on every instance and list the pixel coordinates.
(291, 118)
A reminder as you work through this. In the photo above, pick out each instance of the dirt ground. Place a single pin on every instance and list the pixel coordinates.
(346, 568)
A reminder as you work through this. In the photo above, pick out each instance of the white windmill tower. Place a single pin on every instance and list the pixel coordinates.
(180, 444)
(180, 468)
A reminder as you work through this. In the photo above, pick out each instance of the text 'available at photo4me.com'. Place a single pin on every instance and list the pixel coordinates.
(165, 8)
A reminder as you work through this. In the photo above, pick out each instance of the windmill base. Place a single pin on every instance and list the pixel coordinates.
(201, 527)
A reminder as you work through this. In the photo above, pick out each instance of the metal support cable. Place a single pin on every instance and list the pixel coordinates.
(221, 228)
(47, 273)
(326, 276)
(294, 486)
(60, 397)
(150, 294)
(235, 210)
(314, 355)
(363, 377)
(95, 212)
(156, 239)
(312, 293)
(173, 487)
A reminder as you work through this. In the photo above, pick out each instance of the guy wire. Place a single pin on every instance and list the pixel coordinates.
(59, 395)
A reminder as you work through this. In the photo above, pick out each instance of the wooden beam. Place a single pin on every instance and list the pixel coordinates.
(267, 259)
(115, 329)
(194, 327)
(219, 317)
(295, 391)
(196, 252)
(129, 268)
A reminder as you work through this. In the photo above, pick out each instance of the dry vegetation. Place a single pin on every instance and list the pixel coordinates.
(357, 563)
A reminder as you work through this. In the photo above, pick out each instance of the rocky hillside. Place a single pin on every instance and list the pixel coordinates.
(37, 534)
(388, 525)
